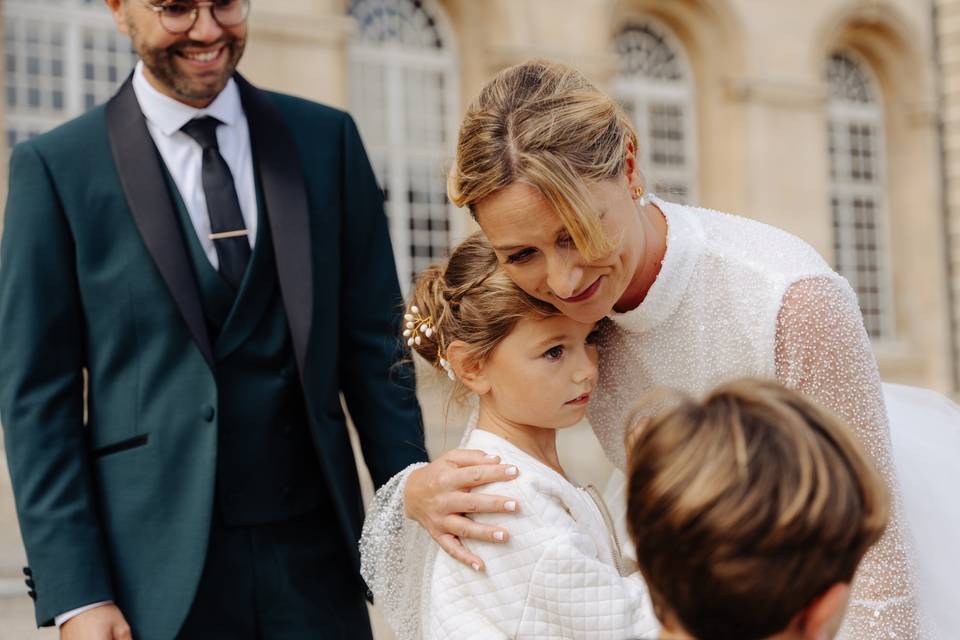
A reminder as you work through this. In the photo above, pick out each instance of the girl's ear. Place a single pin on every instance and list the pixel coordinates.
(468, 371)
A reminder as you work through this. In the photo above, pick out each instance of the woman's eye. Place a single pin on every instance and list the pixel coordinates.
(554, 353)
(520, 256)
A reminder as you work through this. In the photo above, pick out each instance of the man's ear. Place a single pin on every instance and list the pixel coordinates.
(467, 369)
(118, 8)
(822, 618)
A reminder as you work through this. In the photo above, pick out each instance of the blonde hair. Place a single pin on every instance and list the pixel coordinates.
(543, 123)
(746, 506)
(470, 298)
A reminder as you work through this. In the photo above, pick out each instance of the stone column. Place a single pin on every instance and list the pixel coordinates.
(947, 25)
(300, 47)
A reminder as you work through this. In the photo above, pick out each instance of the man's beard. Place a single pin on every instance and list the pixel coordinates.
(162, 65)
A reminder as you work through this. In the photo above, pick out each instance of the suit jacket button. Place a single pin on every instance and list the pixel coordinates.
(208, 412)
(32, 594)
(29, 583)
(27, 571)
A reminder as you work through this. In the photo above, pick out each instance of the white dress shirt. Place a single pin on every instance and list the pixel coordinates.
(183, 158)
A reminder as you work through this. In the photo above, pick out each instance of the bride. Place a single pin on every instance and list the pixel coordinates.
(547, 166)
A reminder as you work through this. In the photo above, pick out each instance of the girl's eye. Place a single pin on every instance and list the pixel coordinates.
(553, 353)
(520, 256)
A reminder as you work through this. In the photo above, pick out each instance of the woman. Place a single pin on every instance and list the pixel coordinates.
(547, 166)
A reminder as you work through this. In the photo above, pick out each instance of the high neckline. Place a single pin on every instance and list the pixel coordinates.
(685, 242)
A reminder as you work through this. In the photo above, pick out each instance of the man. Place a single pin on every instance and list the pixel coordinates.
(190, 277)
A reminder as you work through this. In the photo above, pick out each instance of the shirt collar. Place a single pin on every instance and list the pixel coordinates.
(169, 115)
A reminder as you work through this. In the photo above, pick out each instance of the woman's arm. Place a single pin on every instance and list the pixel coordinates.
(822, 350)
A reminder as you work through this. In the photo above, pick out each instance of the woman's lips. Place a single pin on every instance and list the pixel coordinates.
(579, 400)
(585, 294)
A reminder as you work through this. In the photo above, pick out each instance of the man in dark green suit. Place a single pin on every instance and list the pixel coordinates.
(190, 277)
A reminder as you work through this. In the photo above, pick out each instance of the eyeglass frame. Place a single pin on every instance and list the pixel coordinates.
(158, 10)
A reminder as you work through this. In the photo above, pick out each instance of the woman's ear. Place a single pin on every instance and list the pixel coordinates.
(467, 369)
(631, 169)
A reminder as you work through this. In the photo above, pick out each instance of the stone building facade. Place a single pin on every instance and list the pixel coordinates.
(819, 117)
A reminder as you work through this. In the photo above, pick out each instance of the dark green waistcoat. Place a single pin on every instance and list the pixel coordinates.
(267, 469)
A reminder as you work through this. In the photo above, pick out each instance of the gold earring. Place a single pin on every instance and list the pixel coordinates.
(637, 193)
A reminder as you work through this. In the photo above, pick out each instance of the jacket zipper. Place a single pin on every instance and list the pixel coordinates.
(616, 553)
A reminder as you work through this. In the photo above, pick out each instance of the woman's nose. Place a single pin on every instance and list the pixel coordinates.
(563, 277)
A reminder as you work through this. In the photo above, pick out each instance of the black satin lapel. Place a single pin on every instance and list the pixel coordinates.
(141, 176)
(285, 194)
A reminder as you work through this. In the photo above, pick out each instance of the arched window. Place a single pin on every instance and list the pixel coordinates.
(403, 94)
(857, 188)
(654, 85)
(62, 58)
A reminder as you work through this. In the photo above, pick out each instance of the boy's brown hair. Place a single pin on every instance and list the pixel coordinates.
(746, 506)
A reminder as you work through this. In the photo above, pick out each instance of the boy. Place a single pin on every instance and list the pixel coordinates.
(750, 511)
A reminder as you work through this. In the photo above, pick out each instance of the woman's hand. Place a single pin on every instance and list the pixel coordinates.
(437, 496)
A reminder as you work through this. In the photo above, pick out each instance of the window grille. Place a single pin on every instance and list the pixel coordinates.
(62, 58)
(654, 87)
(858, 189)
(403, 93)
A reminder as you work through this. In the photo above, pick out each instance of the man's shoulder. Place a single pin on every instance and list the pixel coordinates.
(301, 112)
(73, 136)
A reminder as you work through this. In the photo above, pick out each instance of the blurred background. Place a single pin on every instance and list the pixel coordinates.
(837, 120)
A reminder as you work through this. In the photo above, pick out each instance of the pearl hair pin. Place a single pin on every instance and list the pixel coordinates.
(419, 327)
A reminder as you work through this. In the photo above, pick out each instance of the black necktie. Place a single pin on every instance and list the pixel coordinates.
(227, 229)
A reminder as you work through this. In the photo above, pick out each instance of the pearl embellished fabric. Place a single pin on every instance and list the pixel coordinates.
(734, 298)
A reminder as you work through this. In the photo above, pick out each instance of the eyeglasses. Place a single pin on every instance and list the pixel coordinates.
(178, 17)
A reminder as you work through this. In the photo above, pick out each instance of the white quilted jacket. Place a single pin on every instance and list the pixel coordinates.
(556, 578)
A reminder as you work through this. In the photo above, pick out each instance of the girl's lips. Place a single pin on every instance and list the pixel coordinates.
(581, 399)
(585, 294)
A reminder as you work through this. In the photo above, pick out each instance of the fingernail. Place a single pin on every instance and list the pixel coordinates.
(510, 505)
(511, 471)
(476, 566)
(490, 458)
(498, 535)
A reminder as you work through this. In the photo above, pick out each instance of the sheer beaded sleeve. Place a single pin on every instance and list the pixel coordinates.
(394, 552)
(822, 350)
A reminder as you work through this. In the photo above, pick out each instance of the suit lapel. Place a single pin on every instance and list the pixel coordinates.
(141, 176)
(284, 191)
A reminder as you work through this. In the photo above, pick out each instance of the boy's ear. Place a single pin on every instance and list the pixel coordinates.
(821, 620)
(467, 369)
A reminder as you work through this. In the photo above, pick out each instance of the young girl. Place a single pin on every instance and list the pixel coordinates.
(561, 573)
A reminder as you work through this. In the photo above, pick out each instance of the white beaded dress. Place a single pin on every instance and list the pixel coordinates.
(734, 298)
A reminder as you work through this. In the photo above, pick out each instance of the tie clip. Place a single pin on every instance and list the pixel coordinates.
(222, 235)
